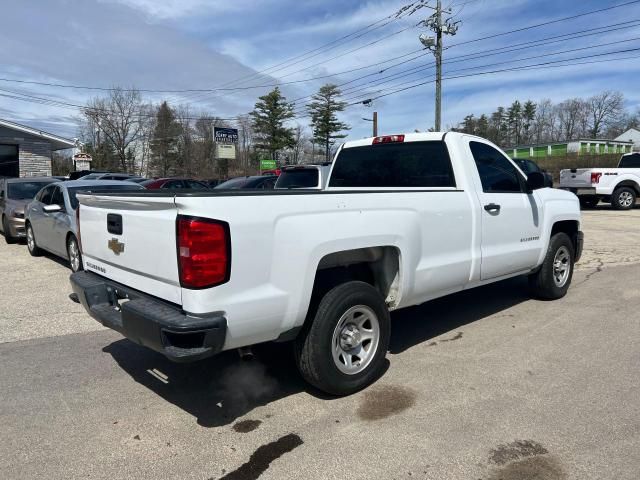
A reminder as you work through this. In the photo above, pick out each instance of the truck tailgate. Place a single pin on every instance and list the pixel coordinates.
(132, 240)
(575, 177)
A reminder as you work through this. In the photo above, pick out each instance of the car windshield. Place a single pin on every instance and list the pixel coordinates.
(91, 176)
(101, 188)
(630, 161)
(298, 178)
(527, 166)
(25, 190)
(233, 183)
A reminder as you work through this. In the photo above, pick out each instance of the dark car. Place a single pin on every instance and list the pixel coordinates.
(529, 166)
(174, 183)
(261, 182)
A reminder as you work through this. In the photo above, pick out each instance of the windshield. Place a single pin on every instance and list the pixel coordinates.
(233, 183)
(630, 161)
(527, 166)
(25, 190)
(298, 178)
(101, 188)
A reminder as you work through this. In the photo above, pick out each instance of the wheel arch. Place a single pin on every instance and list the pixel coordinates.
(628, 183)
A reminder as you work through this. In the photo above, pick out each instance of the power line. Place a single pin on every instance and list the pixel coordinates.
(543, 24)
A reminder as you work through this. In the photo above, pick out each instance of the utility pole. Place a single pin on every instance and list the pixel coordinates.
(375, 123)
(448, 27)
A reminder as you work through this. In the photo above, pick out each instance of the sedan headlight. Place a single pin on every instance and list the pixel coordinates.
(18, 214)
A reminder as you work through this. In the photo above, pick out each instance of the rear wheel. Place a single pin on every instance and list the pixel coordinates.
(623, 198)
(73, 252)
(343, 349)
(7, 232)
(554, 277)
(31, 242)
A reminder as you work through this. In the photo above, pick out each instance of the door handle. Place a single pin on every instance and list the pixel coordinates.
(492, 207)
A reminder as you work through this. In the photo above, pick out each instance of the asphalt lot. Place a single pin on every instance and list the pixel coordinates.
(486, 384)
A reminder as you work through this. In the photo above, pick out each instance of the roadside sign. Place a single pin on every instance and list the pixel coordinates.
(82, 161)
(225, 135)
(268, 164)
(227, 151)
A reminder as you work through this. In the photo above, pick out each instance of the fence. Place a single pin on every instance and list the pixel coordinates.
(556, 163)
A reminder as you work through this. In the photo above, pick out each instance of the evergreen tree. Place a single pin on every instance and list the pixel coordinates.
(482, 126)
(514, 118)
(324, 121)
(528, 116)
(164, 142)
(269, 115)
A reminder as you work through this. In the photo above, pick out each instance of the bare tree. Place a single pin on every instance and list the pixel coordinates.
(604, 108)
(570, 113)
(118, 118)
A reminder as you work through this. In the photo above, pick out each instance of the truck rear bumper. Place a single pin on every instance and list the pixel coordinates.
(148, 321)
(589, 191)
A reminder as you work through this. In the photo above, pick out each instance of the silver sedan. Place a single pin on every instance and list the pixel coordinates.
(50, 219)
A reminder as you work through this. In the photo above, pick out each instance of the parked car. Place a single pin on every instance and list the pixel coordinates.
(528, 166)
(618, 186)
(51, 217)
(15, 194)
(389, 231)
(112, 176)
(75, 175)
(303, 176)
(175, 183)
(257, 182)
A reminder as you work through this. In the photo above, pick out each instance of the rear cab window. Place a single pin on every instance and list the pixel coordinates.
(424, 164)
(630, 161)
(299, 178)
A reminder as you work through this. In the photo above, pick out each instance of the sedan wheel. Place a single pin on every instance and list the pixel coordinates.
(31, 242)
(75, 257)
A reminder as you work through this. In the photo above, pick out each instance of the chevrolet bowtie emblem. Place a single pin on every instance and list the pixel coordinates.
(115, 246)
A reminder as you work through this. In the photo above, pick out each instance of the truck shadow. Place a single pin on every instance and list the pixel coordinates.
(221, 389)
(422, 323)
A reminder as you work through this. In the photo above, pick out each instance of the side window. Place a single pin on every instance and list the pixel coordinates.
(46, 194)
(194, 185)
(57, 198)
(497, 174)
(173, 184)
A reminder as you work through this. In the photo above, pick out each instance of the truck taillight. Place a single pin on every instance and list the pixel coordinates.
(388, 139)
(595, 177)
(204, 252)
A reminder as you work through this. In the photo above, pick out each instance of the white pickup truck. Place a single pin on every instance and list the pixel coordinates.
(619, 186)
(404, 219)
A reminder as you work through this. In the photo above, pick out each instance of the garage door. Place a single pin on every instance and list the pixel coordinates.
(9, 161)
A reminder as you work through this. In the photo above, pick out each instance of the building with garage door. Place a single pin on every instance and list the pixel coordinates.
(582, 146)
(26, 151)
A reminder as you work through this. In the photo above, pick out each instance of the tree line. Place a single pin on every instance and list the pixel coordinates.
(600, 116)
(122, 132)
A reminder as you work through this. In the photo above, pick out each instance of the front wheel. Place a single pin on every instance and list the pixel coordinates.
(623, 198)
(31, 242)
(553, 278)
(343, 349)
(73, 252)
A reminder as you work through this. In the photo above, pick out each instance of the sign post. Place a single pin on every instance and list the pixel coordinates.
(82, 161)
(225, 140)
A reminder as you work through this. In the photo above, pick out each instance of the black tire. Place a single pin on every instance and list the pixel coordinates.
(623, 198)
(543, 283)
(72, 242)
(587, 202)
(314, 346)
(7, 233)
(32, 246)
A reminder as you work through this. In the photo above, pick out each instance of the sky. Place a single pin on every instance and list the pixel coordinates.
(248, 46)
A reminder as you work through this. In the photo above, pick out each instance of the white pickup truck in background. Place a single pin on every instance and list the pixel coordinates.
(403, 219)
(619, 186)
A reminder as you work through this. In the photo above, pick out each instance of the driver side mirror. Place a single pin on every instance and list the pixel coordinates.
(52, 208)
(535, 181)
